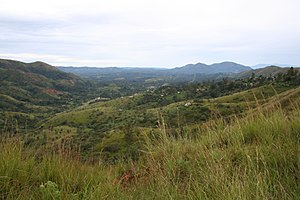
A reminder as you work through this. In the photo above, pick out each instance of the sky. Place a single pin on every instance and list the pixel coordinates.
(150, 33)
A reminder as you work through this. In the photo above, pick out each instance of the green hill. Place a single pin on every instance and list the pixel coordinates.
(35, 89)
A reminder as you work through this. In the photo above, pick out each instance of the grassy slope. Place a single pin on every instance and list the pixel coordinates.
(251, 157)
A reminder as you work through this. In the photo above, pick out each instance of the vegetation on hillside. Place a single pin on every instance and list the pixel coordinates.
(67, 138)
(251, 157)
(102, 126)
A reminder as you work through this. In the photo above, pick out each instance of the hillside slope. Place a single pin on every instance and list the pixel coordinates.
(103, 124)
(266, 71)
(29, 88)
(250, 157)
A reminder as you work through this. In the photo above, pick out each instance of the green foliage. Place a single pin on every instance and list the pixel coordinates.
(94, 122)
(123, 145)
(251, 157)
(50, 190)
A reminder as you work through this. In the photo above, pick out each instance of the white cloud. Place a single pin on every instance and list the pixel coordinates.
(150, 33)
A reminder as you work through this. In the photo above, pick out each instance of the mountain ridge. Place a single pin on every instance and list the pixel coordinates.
(38, 84)
(201, 68)
(190, 72)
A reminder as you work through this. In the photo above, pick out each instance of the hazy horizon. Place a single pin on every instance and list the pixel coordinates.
(163, 34)
(257, 66)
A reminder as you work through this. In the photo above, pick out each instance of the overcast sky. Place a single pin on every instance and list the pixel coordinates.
(143, 33)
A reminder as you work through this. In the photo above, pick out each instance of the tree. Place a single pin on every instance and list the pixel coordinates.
(252, 76)
(292, 72)
(291, 75)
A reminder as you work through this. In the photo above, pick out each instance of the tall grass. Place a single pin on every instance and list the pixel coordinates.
(256, 157)
(24, 174)
(251, 157)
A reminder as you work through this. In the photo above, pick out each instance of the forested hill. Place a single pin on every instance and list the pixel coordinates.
(35, 87)
(37, 73)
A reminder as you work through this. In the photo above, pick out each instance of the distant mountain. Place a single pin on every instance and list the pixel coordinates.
(191, 72)
(111, 73)
(266, 65)
(200, 68)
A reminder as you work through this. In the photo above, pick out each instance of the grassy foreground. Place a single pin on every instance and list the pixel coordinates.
(254, 157)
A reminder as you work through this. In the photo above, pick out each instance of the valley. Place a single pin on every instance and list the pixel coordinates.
(149, 100)
(150, 124)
